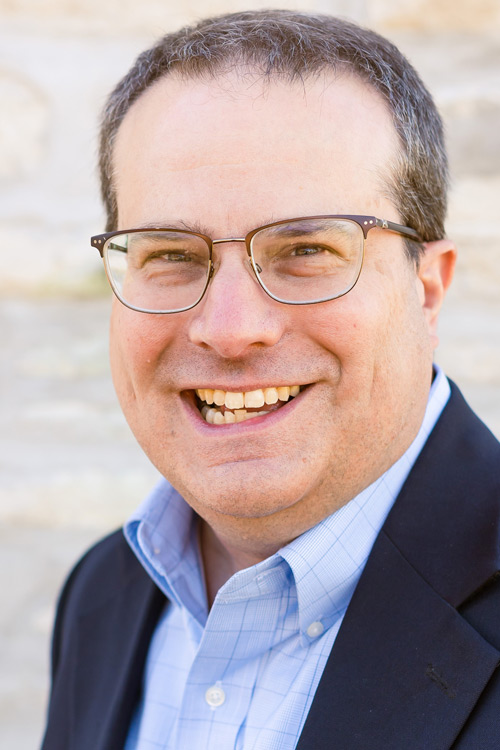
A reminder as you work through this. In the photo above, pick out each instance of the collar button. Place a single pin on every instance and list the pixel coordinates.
(315, 629)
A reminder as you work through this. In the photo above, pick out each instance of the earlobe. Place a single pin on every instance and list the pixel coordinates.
(437, 266)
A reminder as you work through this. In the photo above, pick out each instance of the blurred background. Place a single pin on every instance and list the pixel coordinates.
(70, 470)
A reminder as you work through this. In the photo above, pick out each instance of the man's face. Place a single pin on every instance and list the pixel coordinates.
(223, 157)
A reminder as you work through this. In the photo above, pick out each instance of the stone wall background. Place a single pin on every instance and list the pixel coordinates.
(69, 468)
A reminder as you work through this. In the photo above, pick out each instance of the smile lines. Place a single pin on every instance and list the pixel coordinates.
(233, 406)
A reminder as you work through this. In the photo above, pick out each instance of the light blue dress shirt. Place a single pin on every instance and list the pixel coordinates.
(243, 675)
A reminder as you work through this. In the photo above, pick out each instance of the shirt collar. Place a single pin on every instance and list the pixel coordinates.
(163, 534)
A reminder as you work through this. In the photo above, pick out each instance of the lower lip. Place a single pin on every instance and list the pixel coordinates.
(257, 423)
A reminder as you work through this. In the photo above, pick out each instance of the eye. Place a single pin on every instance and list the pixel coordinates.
(306, 250)
(173, 256)
(312, 251)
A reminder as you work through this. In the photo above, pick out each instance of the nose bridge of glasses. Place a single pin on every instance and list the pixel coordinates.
(215, 264)
(226, 240)
(229, 239)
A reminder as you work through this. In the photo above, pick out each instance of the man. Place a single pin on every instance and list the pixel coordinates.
(325, 572)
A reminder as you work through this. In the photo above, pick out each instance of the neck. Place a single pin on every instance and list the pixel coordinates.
(222, 559)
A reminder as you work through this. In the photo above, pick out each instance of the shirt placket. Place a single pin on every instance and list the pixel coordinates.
(221, 681)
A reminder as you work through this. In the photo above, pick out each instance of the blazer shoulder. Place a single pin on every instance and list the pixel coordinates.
(460, 423)
(106, 566)
(105, 617)
(105, 569)
(446, 519)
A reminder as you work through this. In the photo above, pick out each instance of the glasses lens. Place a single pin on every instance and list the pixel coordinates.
(158, 271)
(308, 260)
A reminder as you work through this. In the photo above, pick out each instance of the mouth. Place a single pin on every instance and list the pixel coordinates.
(219, 407)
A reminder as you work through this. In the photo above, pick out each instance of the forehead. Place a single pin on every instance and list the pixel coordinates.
(236, 144)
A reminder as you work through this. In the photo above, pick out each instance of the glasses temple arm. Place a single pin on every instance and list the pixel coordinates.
(400, 229)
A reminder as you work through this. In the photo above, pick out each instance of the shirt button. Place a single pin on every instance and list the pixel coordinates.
(215, 696)
(315, 629)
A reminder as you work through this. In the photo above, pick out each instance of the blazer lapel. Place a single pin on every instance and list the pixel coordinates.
(407, 668)
(112, 641)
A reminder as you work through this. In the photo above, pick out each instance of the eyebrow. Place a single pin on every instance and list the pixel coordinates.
(193, 226)
(308, 227)
(297, 230)
(176, 224)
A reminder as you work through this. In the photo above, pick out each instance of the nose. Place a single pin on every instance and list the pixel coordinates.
(236, 314)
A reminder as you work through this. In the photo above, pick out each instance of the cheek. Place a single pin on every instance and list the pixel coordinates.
(137, 341)
(374, 331)
(349, 327)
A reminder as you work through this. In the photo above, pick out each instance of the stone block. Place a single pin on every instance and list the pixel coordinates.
(39, 258)
(473, 225)
(435, 15)
(152, 16)
(473, 135)
(24, 122)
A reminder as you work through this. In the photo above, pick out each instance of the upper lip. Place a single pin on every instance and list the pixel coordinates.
(244, 388)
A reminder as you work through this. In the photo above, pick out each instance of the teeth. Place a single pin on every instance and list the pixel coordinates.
(250, 399)
(234, 400)
(219, 397)
(283, 393)
(212, 416)
(229, 417)
(271, 395)
(239, 402)
(254, 399)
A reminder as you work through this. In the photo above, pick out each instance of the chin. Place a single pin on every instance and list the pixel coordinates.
(241, 492)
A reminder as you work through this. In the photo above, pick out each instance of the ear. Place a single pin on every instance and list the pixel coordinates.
(437, 265)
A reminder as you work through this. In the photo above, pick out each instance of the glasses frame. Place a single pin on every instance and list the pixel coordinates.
(366, 223)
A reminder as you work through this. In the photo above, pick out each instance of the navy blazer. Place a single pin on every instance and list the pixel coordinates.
(415, 663)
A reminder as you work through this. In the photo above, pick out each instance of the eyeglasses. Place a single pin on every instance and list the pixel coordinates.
(297, 261)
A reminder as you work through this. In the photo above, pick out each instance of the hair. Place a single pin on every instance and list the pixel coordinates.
(291, 46)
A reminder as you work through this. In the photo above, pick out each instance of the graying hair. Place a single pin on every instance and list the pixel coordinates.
(293, 46)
